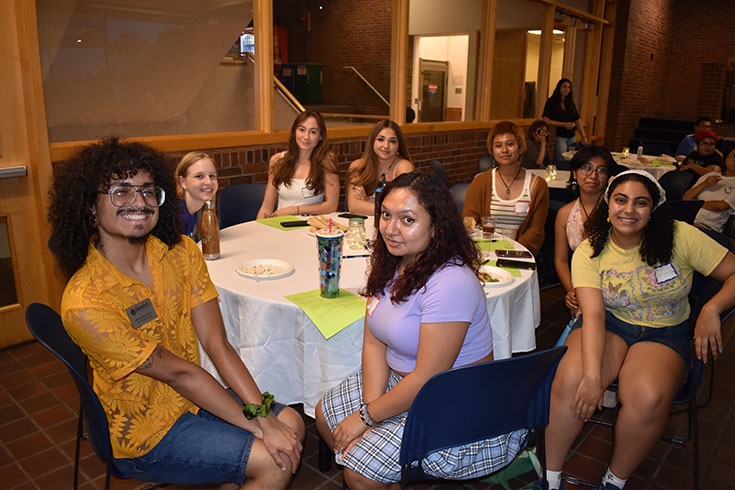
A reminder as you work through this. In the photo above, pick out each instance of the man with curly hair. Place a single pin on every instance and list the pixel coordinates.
(138, 302)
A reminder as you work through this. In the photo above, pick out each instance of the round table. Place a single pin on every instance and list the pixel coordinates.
(285, 352)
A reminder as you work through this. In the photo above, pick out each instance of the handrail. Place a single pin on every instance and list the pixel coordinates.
(370, 85)
(291, 98)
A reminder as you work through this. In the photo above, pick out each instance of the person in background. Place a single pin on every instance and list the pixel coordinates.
(688, 144)
(425, 314)
(385, 158)
(139, 303)
(196, 183)
(303, 179)
(705, 158)
(537, 153)
(718, 193)
(632, 277)
(560, 111)
(515, 197)
(591, 167)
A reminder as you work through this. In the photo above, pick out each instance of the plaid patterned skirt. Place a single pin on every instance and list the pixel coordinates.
(375, 456)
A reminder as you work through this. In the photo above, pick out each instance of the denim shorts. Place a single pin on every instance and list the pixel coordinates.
(676, 337)
(197, 449)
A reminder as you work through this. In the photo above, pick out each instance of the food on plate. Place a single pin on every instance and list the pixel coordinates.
(644, 160)
(321, 222)
(485, 277)
(259, 270)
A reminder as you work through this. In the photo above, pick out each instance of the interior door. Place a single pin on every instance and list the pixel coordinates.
(433, 96)
(26, 270)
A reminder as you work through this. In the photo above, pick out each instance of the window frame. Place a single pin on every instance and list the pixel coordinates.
(598, 60)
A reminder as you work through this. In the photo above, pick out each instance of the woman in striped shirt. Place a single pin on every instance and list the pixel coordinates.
(515, 197)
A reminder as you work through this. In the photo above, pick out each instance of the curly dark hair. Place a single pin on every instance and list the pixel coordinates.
(449, 242)
(75, 191)
(658, 235)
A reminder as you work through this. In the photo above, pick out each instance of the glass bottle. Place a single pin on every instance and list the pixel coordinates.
(210, 232)
(378, 194)
(356, 234)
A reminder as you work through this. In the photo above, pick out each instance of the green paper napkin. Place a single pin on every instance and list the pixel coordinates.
(491, 246)
(513, 271)
(330, 315)
(276, 221)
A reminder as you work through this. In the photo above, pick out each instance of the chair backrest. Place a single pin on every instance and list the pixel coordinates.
(485, 163)
(685, 210)
(439, 171)
(479, 401)
(239, 203)
(676, 183)
(458, 192)
(46, 326)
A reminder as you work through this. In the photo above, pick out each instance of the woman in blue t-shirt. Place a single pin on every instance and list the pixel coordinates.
(425, 314)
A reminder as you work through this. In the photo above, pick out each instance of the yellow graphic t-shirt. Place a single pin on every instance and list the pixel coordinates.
(140, 410)
(633, 291)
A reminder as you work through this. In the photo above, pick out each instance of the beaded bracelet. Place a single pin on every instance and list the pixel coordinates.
(252, 410)
(365, 416)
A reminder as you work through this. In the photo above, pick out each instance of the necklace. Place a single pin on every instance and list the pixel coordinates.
(586, 214)
(390, 166)
(507, 186)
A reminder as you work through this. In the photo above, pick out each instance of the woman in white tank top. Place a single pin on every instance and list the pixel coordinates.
(303, 179)
(513, 196)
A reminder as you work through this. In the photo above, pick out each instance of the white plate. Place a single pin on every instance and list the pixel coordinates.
(504, 277)
(265, 269)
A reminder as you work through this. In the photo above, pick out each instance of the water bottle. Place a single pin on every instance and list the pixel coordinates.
(640, 150)
(210, 232)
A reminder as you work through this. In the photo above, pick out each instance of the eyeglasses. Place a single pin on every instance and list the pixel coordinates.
(124, 194)
(588, 168)
(706, 143)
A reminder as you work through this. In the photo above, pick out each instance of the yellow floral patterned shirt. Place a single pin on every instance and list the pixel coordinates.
(140, 410)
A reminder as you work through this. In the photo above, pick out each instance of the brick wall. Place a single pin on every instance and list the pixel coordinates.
(669, 60)
(343, 33)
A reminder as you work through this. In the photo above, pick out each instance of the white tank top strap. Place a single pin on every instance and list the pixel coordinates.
(511, 212)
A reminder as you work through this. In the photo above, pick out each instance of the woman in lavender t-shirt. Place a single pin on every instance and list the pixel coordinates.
(425, 314)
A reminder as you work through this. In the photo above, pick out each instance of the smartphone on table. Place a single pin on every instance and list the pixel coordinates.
(514, 254)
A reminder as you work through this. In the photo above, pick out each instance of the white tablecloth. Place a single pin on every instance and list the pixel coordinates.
(632, 162)
(559, 182)
(285, 352)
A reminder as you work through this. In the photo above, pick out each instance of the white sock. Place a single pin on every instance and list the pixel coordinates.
(609, 477)
(554, 479)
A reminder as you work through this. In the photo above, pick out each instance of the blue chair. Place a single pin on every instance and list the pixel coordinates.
(485, 163)
(46, 326)
(493, 398)
(676, 183)
(685, 210)
(239, 203)
(458, 192)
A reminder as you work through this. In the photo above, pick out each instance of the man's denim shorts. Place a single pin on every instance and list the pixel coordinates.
(677, 337)
(197, 449)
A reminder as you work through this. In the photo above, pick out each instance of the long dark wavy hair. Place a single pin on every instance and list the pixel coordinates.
(321, 160)
(75, 191)
(557, 98)
(365, 173)
(449, 242)
(587, 153)
(658, 235)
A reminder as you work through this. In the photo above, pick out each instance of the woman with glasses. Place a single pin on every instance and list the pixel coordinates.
(196, 183)
(705, 158)
(590, 169)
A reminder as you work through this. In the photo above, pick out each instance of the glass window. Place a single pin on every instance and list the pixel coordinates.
(333, 57)
(516, 50)
(159, 68)
(583, 5)
(444, 40)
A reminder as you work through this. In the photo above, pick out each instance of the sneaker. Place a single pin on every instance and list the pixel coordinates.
(607, 486)
(539, 485)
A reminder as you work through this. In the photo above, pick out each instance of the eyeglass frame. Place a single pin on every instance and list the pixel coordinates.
(136, 189)
(606, 171)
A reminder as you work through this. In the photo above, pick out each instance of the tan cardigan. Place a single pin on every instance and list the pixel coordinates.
(531, 232)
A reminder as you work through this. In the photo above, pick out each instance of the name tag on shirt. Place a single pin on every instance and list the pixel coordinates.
(664, 273)
(371, 305)
(521, 207)
(141, 313)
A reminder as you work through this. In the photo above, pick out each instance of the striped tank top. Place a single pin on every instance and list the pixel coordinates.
(511, 212)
